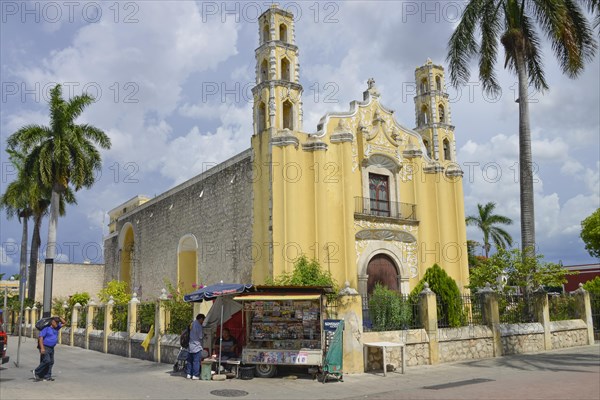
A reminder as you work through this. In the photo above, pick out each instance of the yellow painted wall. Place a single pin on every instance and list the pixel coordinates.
(187, 266)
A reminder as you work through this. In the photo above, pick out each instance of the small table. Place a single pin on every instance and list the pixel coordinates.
(234, 363)
(383, 346)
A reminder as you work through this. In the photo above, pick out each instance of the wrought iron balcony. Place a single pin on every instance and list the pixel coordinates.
(366, 207)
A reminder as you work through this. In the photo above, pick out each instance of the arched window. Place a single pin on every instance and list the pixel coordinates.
(127, 254)
(447, 150)
(285, 69)
(265, 35)
(283, 33)
(262, 117)
(423, 86)
(264, 71)
(438, 83)
(426, 143)
(187, 263)
(288, 115)
(441, 113)
(424, 116)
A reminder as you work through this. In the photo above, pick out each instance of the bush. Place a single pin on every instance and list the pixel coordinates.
(181, 313)
(593, 286)
(388, 310)
(449, 299)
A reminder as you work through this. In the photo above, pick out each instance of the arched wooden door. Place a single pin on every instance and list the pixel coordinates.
(381, 269)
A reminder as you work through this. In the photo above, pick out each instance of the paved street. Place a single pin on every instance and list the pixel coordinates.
(568, 373)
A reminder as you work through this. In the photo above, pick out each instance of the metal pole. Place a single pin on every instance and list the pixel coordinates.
(220, 340)
(22, 299)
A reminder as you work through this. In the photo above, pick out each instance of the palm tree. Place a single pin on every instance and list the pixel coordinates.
(515, 24)
(63, 153)
(40, 203)
(486, 221)
(15, 201)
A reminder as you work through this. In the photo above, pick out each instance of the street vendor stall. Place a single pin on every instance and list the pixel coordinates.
(284, 326)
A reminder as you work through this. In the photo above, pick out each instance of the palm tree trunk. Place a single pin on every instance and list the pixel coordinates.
(525, 163)
(34, 255)
(51, 249)
(23, 260)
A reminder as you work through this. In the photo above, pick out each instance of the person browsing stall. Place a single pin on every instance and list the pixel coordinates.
(195, 348)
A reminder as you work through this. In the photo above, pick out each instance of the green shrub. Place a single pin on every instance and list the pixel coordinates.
(181, 313)
(388, 311)
(449, 299)
(593, 286)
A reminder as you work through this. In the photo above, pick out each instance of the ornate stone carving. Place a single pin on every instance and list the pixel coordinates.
(385, 234)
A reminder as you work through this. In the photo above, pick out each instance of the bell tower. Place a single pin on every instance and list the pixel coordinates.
(432, 113)
(277, 94)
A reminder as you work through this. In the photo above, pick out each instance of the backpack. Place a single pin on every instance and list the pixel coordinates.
(184, 339)
(42, 323)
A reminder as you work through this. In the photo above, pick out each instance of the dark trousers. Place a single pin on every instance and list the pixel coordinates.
(44, 370)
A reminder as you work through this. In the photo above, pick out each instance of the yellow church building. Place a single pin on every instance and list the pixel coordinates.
(369, 198)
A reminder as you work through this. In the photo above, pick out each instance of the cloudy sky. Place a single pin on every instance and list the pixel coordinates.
(172, 81)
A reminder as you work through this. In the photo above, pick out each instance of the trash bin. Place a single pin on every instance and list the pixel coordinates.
(206, 370)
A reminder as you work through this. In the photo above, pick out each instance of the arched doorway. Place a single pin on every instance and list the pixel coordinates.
(126, 254)
(382, 270)
(187, 263)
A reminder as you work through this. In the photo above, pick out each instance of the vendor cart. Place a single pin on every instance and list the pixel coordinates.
(284, 327)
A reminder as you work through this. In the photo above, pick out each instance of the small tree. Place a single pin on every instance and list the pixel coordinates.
(448, 293)
(388, 311)
(593, 286)
(590, 233)
(181, 313)
(307, 273)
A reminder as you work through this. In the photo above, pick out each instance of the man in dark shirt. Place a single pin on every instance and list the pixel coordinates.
(227, 345)
(47, 339)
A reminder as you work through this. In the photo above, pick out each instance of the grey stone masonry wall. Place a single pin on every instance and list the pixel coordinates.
(568, 333)
(417, 348)
(215, 207)
(522, 338)
(465, 343)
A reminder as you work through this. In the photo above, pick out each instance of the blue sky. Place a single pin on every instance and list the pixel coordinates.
(173, 78)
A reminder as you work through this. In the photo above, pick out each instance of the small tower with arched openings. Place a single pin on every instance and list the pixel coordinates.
(277, 94)
(432, 113)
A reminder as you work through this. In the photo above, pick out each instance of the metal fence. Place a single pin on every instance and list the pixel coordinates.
(562, 307)
(516, 308)
(463, 310)
(380, 208)
(404, 314)
(98, 319)
(119, 318)
(82, 322)
(472, 308)
(145, 317)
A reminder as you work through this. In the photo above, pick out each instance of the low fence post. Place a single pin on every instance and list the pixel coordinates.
(542, 315)
(89, 322)
(584, 310)
(27, 320)
(491, 316)
(74, 321)
(350, 311)
(107, 323)
(33, 320)
(429, 320)
(132, 308)
(159, 323)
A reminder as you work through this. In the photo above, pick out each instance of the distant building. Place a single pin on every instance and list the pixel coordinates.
(68, 279)
(587, 272)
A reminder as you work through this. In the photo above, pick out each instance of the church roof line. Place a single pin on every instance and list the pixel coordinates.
(198, 178)
(354, 106)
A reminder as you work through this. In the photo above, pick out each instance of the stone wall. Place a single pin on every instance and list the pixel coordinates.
(465, 343)
(568, 333)
(68, 279)
(417, 348)
(215, 207)
(96, 341)
(522, 338)
(118, 343)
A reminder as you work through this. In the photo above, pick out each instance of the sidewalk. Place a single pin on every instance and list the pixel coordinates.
(560, 374)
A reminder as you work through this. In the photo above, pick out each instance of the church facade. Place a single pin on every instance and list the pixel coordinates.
(371, 200)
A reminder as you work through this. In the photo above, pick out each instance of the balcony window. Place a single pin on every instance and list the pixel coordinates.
(379, 195)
